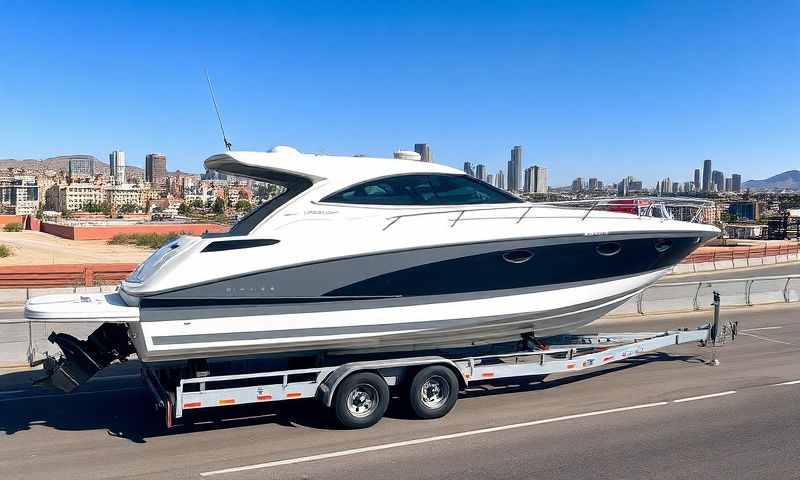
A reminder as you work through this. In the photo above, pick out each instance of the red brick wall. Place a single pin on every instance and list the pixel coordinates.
(6, 219)
(108, 232)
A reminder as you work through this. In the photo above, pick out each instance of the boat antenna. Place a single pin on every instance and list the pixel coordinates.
(216, 109)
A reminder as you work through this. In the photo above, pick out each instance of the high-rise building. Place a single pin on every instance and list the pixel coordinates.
(728, 187)
(80, 166)
(665, 186)
(689, 186)
(577, 185)
(718, 180)
(676, 187)
(622, 187)
(424, 151)
(490, 179)
(707, 175)
(155, 168)
(480, 171)
(592, 184)
(539, 179)
(468, 169)
(116, 161)
(515, 169)
(696, 180)
(527, 184)
(500, 180)
(736, 182)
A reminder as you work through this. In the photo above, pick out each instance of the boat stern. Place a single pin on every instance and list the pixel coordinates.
(82, 359)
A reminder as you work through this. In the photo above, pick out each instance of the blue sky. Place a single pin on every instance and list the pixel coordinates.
(601, 89)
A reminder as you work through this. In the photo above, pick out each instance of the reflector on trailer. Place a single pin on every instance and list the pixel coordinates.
(293, 394)
(263, 397)
(227, 401)
(487, 374)
(192, 405)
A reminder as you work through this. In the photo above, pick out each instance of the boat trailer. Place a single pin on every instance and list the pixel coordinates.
(358, 391)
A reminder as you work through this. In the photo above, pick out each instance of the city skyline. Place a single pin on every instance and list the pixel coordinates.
(689, 74)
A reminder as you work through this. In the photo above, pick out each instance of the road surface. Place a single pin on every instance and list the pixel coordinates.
(648, 418)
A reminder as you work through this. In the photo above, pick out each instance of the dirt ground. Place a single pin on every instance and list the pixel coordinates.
(37, 248)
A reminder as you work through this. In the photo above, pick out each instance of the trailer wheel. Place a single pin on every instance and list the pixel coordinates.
(433, 392)
(361, 400)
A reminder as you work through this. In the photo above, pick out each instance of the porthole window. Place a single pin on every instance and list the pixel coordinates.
(608, 249)
(663, 244)
(518, 256)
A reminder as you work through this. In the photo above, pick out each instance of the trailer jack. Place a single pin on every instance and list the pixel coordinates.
(82, 359)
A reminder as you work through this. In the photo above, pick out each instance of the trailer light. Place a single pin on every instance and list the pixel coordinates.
(487, 374)
(192, 405)
(227, 401)
(293, 395)
(610, 357)
(263, 397)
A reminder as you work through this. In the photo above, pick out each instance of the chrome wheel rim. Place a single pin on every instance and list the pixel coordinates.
(435, 392)
(362, 400)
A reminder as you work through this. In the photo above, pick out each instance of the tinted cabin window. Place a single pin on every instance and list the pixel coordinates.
(422, 190)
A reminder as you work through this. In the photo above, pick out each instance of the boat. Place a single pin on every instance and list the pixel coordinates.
(369, 254)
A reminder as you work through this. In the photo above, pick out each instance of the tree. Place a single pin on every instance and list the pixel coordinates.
(128, 208)
(197, 203)
(219, 206)
(184, 209)
(243, 206)
(40, 212)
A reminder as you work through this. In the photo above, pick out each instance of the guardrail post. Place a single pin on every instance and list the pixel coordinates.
(786, 290)
(747, 287)
(88, 277)
(640, 302)
(695, 302)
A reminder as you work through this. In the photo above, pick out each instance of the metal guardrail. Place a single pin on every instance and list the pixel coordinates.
(743, 253)
(64, 275)
(698, 295)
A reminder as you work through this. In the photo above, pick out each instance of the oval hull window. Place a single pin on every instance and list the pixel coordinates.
(662, 245)
(608, 249)
(518, 256)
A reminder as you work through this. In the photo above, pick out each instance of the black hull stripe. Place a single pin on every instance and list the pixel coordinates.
(155, 310)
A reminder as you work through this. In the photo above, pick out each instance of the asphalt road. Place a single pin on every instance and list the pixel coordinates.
(622, 420)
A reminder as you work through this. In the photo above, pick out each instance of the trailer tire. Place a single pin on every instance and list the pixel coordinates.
(433, 392)
(361, 400)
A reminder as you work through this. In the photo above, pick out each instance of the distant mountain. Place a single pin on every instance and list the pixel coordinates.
(62, 163)
(787, 180)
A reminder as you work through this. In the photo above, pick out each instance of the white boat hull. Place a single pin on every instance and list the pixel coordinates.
(548, 312)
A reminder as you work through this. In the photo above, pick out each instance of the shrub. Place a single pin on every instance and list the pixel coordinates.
(149, 240)
(5, 251)
(120, 239)
(13, 227)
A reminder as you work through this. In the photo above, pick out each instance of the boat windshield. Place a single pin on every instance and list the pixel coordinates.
(422, 189)
(293, 185)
